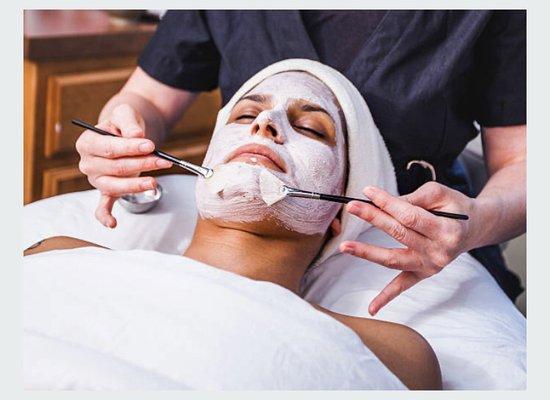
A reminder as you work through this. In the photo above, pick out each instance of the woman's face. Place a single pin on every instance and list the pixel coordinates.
(290, 124)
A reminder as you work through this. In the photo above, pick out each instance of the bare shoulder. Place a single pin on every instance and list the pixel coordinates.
(57, 243)
(402, 349)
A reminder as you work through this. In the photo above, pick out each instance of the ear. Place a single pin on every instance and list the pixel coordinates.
(335, 226)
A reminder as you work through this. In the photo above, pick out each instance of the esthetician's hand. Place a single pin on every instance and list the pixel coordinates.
(113, 165)
(431, 242)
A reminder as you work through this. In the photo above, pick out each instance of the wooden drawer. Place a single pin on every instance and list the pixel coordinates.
(77, 95)
(62, 180)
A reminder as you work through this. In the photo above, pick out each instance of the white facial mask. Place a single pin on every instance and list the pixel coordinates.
(233, 193)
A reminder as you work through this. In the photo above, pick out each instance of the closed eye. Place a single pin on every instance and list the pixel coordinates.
(245, 116)
(312, 131)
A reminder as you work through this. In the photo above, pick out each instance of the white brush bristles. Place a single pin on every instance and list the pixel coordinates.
(271, 188)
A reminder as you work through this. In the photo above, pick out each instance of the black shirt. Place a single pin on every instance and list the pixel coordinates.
(426, 75)
(347, 29)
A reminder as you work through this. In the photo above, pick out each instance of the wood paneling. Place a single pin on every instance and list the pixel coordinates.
(77, 95)
(63, 180)
(30, 117)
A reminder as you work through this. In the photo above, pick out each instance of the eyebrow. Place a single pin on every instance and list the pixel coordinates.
(314, 108)
(306, 107)
(258, 98)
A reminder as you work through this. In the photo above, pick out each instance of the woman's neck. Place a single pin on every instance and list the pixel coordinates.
(278, 259)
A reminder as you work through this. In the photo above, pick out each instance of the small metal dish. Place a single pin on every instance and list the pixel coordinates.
(141, 202)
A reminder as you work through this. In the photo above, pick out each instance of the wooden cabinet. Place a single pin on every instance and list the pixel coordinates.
(72, 94)
(61, 82)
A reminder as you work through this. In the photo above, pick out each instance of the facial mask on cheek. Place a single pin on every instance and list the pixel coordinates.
(233, 192)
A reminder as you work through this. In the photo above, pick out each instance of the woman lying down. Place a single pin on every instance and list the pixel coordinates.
(228, 314)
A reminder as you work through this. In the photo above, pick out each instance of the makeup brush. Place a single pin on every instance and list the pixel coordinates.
(274, 190)
(196, 169)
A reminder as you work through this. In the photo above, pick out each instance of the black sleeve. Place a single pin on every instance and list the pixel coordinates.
(181, 53)
(501, 70)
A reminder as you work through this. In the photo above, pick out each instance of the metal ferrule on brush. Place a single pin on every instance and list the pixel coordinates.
(292, 192)
(197, 169)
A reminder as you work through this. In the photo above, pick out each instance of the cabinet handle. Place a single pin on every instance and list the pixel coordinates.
(58, 128)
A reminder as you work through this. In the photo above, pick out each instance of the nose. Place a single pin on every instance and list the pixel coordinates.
(265, 126)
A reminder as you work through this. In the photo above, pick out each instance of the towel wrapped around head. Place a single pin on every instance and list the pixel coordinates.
(368, 157)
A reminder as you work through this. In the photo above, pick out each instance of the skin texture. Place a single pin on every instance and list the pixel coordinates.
(496, 215)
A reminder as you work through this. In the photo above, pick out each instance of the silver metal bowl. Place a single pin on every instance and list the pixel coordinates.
(141, 202)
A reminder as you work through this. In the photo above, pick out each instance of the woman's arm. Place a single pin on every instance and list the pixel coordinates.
(501, 205)
(403, 350)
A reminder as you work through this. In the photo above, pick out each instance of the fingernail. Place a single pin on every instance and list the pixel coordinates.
(149, 184)
(368, 190)
(146, 147)
(346, 248)
(353, 207)
(161, 163)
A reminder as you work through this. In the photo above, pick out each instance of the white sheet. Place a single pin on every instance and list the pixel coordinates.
(99, 319)
(477, 333)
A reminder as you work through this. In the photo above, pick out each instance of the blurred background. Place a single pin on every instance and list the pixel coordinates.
(75, 60)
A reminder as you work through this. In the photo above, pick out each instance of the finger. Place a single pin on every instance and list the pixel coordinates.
(106, 125)
(127, 166)
(398, 285)
(91, 143)
(103, 212)
(402, 259)
(408, 215)
(116, 187)
(336, 226)
(126, 119)
(387, 223)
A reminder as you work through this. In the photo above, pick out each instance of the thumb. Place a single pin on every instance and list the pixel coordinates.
(128, 121)
(132, 130)
(428, 196)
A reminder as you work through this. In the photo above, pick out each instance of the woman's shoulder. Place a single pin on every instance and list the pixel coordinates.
(402, 349)
(57, 243)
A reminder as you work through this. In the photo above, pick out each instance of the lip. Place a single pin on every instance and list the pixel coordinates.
(261, 150)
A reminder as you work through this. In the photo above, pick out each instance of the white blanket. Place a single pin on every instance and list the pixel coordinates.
(101, 319)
